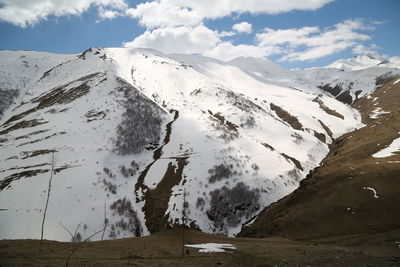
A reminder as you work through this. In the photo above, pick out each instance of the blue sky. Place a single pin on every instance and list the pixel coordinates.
(293, 33)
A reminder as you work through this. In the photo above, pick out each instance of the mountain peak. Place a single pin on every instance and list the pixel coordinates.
(357, 62)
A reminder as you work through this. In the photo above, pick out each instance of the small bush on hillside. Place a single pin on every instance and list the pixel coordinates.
(129, 220)
(219, 172)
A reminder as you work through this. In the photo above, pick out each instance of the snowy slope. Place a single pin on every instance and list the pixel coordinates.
(260, 69)
(19, 70)
(131, 130)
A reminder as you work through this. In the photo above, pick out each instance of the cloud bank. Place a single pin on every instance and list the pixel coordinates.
(29, 12)
(177, 26)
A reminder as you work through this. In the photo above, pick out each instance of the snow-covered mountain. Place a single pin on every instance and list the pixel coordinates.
(348, 86)
(134, 141)
(358, 62)
(364, 62)
(352, 78)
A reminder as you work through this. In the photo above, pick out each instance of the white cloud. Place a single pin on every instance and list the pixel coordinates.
(152, 14)
(308, 43)
(176, 26)
(108, 13)
(181, 39)
(378, 22)
(227, 51)
(292, 37)
(363, 50)
(161, 13)
(226, 34)
(29, 12)
(316, 52)
(243, 27)
(297, 44)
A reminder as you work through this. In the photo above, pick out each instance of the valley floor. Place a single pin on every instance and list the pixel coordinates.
(165, 249)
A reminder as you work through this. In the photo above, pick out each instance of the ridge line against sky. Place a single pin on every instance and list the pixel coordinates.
(294, 33)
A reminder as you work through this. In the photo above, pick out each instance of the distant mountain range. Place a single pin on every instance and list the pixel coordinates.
(365, 62)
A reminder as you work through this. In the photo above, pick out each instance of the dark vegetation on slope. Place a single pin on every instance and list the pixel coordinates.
(219, 173)
(338, 92)
(333, 90)
(229, 206)
(22, 125)
(287, 117)
(157, 199)
(16, 176)
(229, 131)
(334, 200)
(288, 158)
(327, 109)
(345, 97)
(129, 219)
(7, 97)
(141, 124)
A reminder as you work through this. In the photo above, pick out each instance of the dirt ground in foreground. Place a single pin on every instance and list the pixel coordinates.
(165, 249)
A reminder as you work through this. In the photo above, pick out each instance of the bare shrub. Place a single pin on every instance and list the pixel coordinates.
(200, 203)
(110, 186)
(219, 172)
(130, 220)
(298, 139)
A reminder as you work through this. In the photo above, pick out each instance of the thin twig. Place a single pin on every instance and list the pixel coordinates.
(183, 221)
(78, 244)
(76, 230)
(105, 218)
(72, 236)
(47, 200)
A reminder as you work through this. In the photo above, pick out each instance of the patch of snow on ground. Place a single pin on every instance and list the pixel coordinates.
(212, 247)
(390, 150)
(377, 112)
(396, 81)
(252, 221)
(373, 190)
